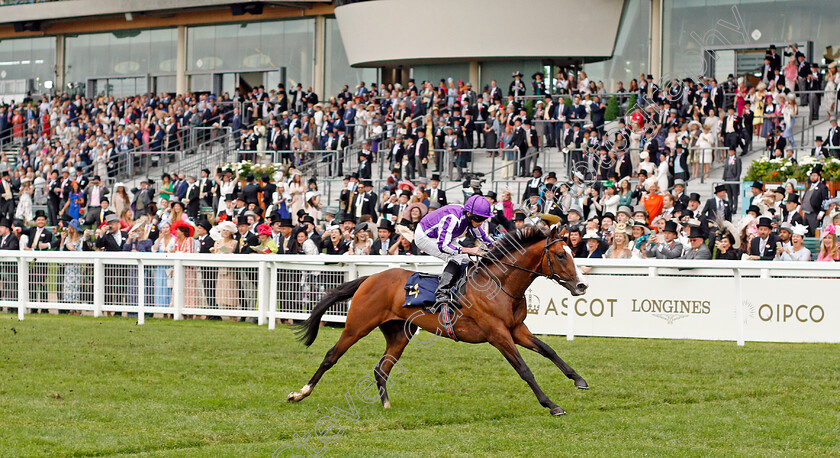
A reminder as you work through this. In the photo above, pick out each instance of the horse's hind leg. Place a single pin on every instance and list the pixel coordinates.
(397, 336)
(522, 336)
(353, 331)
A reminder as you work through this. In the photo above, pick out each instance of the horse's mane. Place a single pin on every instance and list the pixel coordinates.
(512, 241)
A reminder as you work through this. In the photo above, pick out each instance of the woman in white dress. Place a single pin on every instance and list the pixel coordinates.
(704, 148)
(24, 208)
(713, 121)
(226, 186)
(662, 173)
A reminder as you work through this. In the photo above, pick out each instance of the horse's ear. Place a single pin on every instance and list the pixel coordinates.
(563, 233)
(553, 233)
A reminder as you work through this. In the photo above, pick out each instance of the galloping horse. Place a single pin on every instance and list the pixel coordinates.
(493, 309)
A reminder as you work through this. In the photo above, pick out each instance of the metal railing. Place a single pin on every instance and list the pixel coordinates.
(272, 287)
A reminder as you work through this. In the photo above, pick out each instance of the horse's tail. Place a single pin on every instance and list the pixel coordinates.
(308, 330)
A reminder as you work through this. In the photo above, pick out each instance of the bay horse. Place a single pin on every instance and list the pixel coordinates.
(493, 309)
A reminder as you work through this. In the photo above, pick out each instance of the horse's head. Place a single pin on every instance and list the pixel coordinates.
(559, 263)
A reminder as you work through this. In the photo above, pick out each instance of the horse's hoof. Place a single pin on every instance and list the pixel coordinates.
(557, 411)
(293, 397)
(386, 405)
(581, 384)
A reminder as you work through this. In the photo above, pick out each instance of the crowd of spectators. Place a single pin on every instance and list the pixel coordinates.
(624, 188)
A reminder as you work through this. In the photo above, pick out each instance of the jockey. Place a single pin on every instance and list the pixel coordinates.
(438, 230)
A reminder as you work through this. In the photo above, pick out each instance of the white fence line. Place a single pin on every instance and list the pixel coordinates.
(272, 287)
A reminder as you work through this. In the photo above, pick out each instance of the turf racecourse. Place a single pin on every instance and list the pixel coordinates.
(78, 386)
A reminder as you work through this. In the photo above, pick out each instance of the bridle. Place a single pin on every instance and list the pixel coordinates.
(546, 255)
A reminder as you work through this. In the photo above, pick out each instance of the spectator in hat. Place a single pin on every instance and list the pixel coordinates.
(697, 249)
(795, 252)
(620, 247)
(816, 192)
(718, 205)
(73, 239)
(665, 246)
(297, 191)
(829, 249)
(819, 151)
(790, 213)
(757, 192)
(333, 242)
(653, 201)
(732, 172)
(362, 240)
(765, 245)
(593, 245)
(75, 201)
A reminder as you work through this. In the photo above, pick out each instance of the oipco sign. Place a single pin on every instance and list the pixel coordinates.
(777, 309)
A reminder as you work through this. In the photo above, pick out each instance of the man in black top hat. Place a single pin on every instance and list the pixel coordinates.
(282, 229)
(764, 246)
(39, 239)
(110, 238)
(206, 184)
(666, 246)
(434, 192)
(718, 205)
(697, 249)
(789, 213)
(693, 203)
(816, 192)
(208, 274)
(387, 238)
(732, 172)
(819, 151)
(534, 185)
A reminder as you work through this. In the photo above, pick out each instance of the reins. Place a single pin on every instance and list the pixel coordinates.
(533, 272)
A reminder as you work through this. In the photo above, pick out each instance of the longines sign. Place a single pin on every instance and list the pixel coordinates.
(775, 310)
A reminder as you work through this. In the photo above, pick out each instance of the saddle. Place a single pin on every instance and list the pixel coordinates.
(420, 292)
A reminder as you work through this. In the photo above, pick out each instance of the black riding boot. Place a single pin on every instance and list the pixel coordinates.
(448, 278)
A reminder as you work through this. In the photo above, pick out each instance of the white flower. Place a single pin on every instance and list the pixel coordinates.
(763, 159)
(776, 160)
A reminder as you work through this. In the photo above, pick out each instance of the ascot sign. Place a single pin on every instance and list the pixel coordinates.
(774, 310)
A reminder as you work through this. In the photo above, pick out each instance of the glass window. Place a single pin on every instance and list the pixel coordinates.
(629, 58)
(28, 59)
(337, 69)
(129, 52)
(458, 71)
(690, 25)
(254, 46)
(502, 72)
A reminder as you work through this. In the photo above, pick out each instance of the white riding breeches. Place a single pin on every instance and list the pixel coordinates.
(430, 247)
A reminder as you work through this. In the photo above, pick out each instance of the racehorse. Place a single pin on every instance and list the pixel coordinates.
(493, 309)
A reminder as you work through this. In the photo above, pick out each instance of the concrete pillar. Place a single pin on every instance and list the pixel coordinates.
(655, 50)
(181, 61)
(59, 83)
(474, 76)
(319, 85)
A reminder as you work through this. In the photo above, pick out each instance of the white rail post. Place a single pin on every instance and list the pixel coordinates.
(23, 287)
(570, 322)
(178, 290)
(739, 307)
(98, 287)
(272, 297)
(141, 292)
(262, 292)
(352, 274)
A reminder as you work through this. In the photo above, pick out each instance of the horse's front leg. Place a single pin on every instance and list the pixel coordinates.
(503, 341)
(522, 336)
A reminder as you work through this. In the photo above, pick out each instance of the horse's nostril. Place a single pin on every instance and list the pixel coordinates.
(582, 286)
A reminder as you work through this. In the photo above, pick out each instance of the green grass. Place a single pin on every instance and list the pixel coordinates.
(79, 386)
